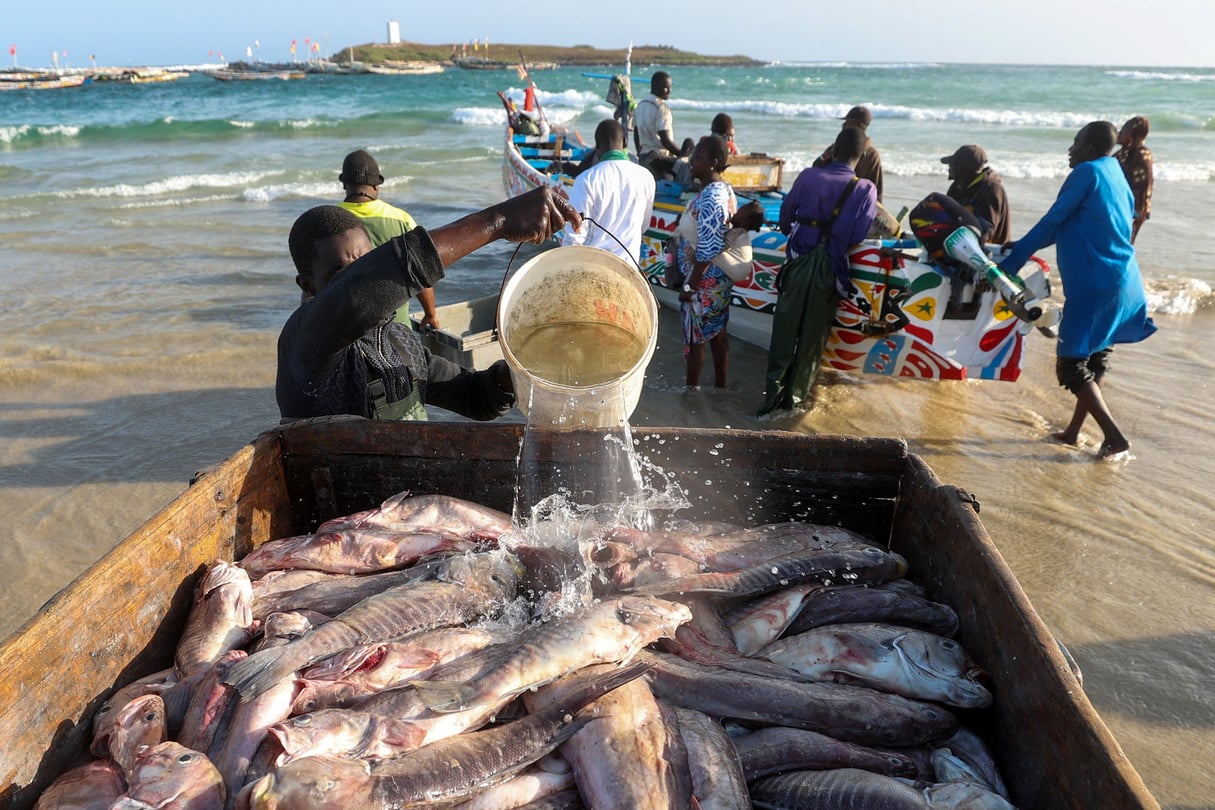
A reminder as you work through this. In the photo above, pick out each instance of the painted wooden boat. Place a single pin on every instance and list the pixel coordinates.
(30, 81)
(912, 323)
(121, 619)
(405, 68)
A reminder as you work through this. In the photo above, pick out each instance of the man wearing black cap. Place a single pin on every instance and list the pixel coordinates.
(361, 180)
(980, 191)
(869, 167)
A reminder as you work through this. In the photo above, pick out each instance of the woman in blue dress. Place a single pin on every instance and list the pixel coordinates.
(705, 307)
(1090, 225)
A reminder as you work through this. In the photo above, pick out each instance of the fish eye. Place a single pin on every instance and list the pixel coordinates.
(949, 644)
(303, 720)
(149, 716)
(186, 758)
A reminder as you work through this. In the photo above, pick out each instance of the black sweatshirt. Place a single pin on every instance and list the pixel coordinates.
(339, 341)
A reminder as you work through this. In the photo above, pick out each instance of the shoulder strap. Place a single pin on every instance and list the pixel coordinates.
(825, 226)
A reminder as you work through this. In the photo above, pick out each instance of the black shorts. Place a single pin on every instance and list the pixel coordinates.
(1074, 372)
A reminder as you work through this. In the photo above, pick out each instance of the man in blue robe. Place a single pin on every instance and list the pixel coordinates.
(1090, 225)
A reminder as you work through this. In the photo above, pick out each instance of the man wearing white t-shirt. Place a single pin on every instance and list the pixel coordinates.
(615, 197)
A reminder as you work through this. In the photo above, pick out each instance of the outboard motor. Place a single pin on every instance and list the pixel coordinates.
(950, 233)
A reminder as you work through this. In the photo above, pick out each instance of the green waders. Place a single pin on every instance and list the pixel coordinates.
(801, 322)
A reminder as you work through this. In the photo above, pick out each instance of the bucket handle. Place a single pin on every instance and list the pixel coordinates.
(515, 252)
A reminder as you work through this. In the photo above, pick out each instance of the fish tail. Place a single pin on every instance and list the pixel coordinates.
(446, 696)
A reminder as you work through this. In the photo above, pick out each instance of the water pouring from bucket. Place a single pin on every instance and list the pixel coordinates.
(578, 326)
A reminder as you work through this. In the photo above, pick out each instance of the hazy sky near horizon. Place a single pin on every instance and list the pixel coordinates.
(1163, 33)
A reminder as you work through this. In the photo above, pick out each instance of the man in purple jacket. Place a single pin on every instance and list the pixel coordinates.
(827, 211)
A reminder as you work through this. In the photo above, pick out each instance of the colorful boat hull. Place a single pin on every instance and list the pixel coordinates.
(918, 325)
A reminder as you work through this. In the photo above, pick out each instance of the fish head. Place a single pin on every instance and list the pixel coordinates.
(168, 773)
(651, 616)
(327, 731)
(942, 665)
(495, 573)
(317, 782)
(138, 725)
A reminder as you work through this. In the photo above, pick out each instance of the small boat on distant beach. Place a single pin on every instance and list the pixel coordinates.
(226, 75)
(907, 319)
(405, 68)
(479, 63)
(39, 80)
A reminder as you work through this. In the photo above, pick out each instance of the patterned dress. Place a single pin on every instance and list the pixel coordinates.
(706, 316)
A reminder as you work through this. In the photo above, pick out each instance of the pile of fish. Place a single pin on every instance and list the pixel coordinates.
(427, 654)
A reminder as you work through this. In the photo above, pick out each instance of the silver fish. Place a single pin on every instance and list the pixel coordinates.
(620, 758)
(221, 618)
(610, 630)
(346, 733)
(441, 772)
(757, 623)
(428, 513)
(140, 724)
(169, 775)
(337, 592)
(853, 713)
(775, 749)
(841, 789)
(353, 551)
(820, 566)
(92, 786)
(470, 586)
(521, 790)
(964, 796)
(718, 782)
(210, 702)
(854, 604)
(897, 659)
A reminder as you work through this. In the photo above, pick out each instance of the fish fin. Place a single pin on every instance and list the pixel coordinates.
(257, 674)
(446, 696)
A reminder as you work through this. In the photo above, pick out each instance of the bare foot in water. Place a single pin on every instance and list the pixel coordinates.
(1063, 437)
(1110, 450)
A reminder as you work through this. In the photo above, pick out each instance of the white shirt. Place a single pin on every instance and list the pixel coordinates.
(651, 117)
(619, 196)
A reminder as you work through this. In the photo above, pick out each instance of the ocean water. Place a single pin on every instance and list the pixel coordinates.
(143, 255)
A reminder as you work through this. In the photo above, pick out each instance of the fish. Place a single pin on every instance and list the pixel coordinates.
(353, 551)
(283, 628)
(169, 775)
(423, 513)
(248, 724)
(820, 566)
(620, 757)
(964, 796)
(610, 630)
(718, 781)
(757, 623)
(94, 785)
(439, 773)
(210, 701)
(158, 683)
(851, 713)
(138, 725)
(531, 785)
(854, 604)
(344, 732)
(469, 587)
(969, 747)
(839, 789)
(907, 662)
(337, 592)
(776, 749)
(735, 548)
(220, 619)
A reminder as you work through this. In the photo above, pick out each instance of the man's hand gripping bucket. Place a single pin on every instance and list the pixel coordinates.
(577, 326)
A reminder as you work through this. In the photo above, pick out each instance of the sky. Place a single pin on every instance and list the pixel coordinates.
(1158, 33)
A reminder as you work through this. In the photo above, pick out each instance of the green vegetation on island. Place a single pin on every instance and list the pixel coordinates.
(576, 55)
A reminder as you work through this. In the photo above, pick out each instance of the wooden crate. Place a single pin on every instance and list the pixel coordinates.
(121, 619)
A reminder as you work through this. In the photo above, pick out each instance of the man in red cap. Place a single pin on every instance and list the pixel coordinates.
(978, 189)
(869, 167)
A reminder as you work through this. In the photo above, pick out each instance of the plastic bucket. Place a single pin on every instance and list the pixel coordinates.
(577, 326)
